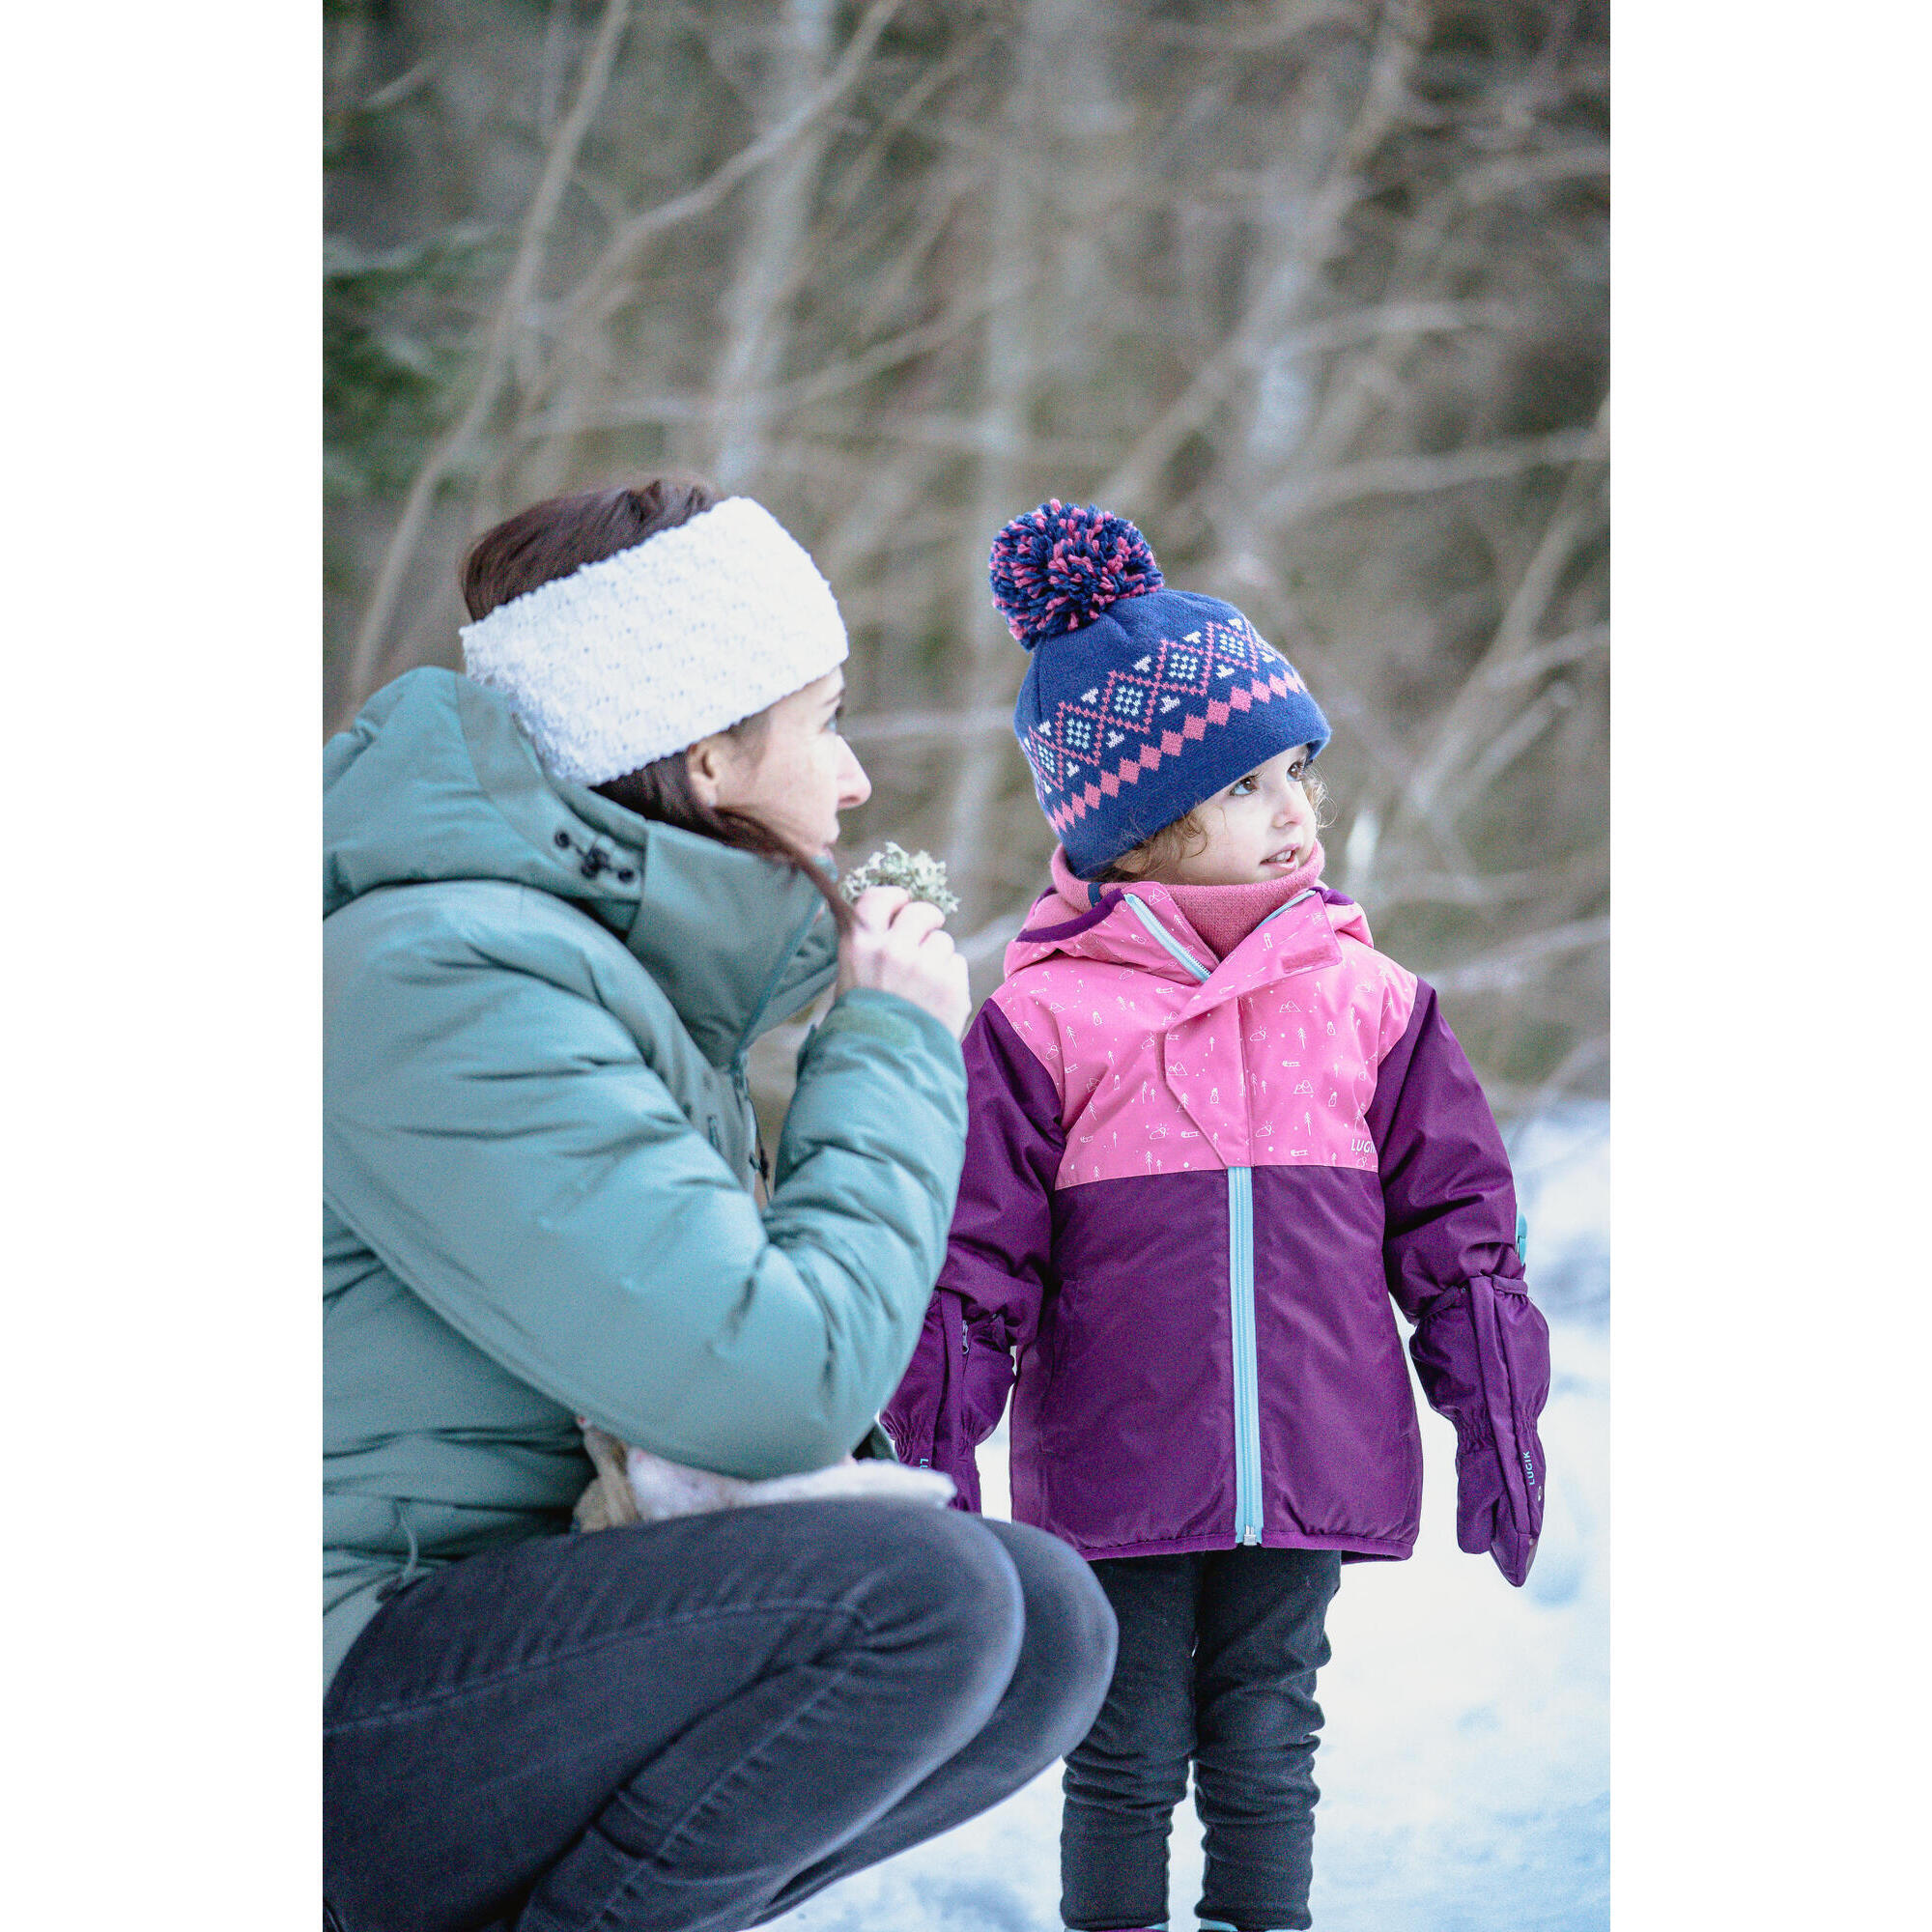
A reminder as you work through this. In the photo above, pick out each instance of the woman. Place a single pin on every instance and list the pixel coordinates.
(563, 895)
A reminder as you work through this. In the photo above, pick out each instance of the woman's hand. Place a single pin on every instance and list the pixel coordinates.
(899, 945)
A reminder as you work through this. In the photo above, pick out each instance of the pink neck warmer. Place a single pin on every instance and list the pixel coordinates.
(1225, 915)
(1222, 915)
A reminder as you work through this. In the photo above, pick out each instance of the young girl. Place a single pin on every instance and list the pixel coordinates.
(1211, 1133)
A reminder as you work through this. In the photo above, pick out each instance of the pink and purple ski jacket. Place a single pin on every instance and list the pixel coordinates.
(1191, 1190)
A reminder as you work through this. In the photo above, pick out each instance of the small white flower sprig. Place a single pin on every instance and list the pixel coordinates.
(918, 873)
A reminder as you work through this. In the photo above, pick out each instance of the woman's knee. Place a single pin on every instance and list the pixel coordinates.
(937, 1583)
(1066, 1659)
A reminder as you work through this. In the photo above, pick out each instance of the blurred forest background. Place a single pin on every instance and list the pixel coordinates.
(1315, 291)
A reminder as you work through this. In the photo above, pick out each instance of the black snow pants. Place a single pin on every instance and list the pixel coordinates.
(1218, 1653)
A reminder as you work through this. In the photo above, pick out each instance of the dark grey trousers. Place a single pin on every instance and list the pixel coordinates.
(1218, 1653)
(698, 1723)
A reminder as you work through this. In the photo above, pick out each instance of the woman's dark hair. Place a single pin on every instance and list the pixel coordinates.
(558, 537)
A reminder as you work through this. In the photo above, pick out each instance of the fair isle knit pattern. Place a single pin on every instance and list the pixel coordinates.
(1123, 728)
(645, 652)
(1140, 702)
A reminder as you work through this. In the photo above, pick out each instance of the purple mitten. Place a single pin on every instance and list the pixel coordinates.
(1483, 1354)
(1485, 1507)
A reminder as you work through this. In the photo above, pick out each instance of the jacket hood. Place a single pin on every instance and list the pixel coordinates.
(1143, 926)
(435, 781)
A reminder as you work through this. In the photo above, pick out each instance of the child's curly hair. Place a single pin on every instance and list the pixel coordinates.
(1185, 837)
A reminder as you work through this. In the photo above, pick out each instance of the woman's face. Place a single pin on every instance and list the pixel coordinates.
(796, 774)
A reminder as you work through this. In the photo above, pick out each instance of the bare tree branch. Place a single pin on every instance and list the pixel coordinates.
(1510, 965)
(1317, 239)
(1290, 24)
(1472, 716)
(1311, 496)
(893, 727)
(1567, 650)
(606, 276)
(768, 269)
(366, 657)
(1481, 891)
(617, 256)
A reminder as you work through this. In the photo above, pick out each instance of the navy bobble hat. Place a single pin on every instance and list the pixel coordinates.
(1140, 702)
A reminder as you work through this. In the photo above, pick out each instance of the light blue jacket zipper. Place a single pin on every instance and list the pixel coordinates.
(1249, 1517)
(1247, 1368)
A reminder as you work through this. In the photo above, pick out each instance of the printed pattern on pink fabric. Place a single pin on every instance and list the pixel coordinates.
(1133, 719)
(1272, 1061)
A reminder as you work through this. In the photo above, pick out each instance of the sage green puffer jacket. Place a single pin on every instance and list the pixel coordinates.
(539, 1148)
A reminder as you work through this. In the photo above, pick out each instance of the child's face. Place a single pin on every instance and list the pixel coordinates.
(1261, 827)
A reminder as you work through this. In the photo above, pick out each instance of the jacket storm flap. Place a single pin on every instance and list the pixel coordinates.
(539, 1150)
(1195, 1194)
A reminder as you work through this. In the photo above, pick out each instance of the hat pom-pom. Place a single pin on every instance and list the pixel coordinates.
(1058, 567)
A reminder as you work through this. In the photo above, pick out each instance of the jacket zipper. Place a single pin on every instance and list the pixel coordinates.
(1248, 1514)
(1249, 1517)
(756, 1159)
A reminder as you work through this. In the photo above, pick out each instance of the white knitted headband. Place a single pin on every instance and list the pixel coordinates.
(645, 652)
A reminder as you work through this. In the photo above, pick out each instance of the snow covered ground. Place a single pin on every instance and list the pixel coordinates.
(1464, 1767)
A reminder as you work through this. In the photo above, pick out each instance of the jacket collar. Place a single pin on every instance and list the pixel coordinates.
(1142, 926)
(436, 781)
(735, 941)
